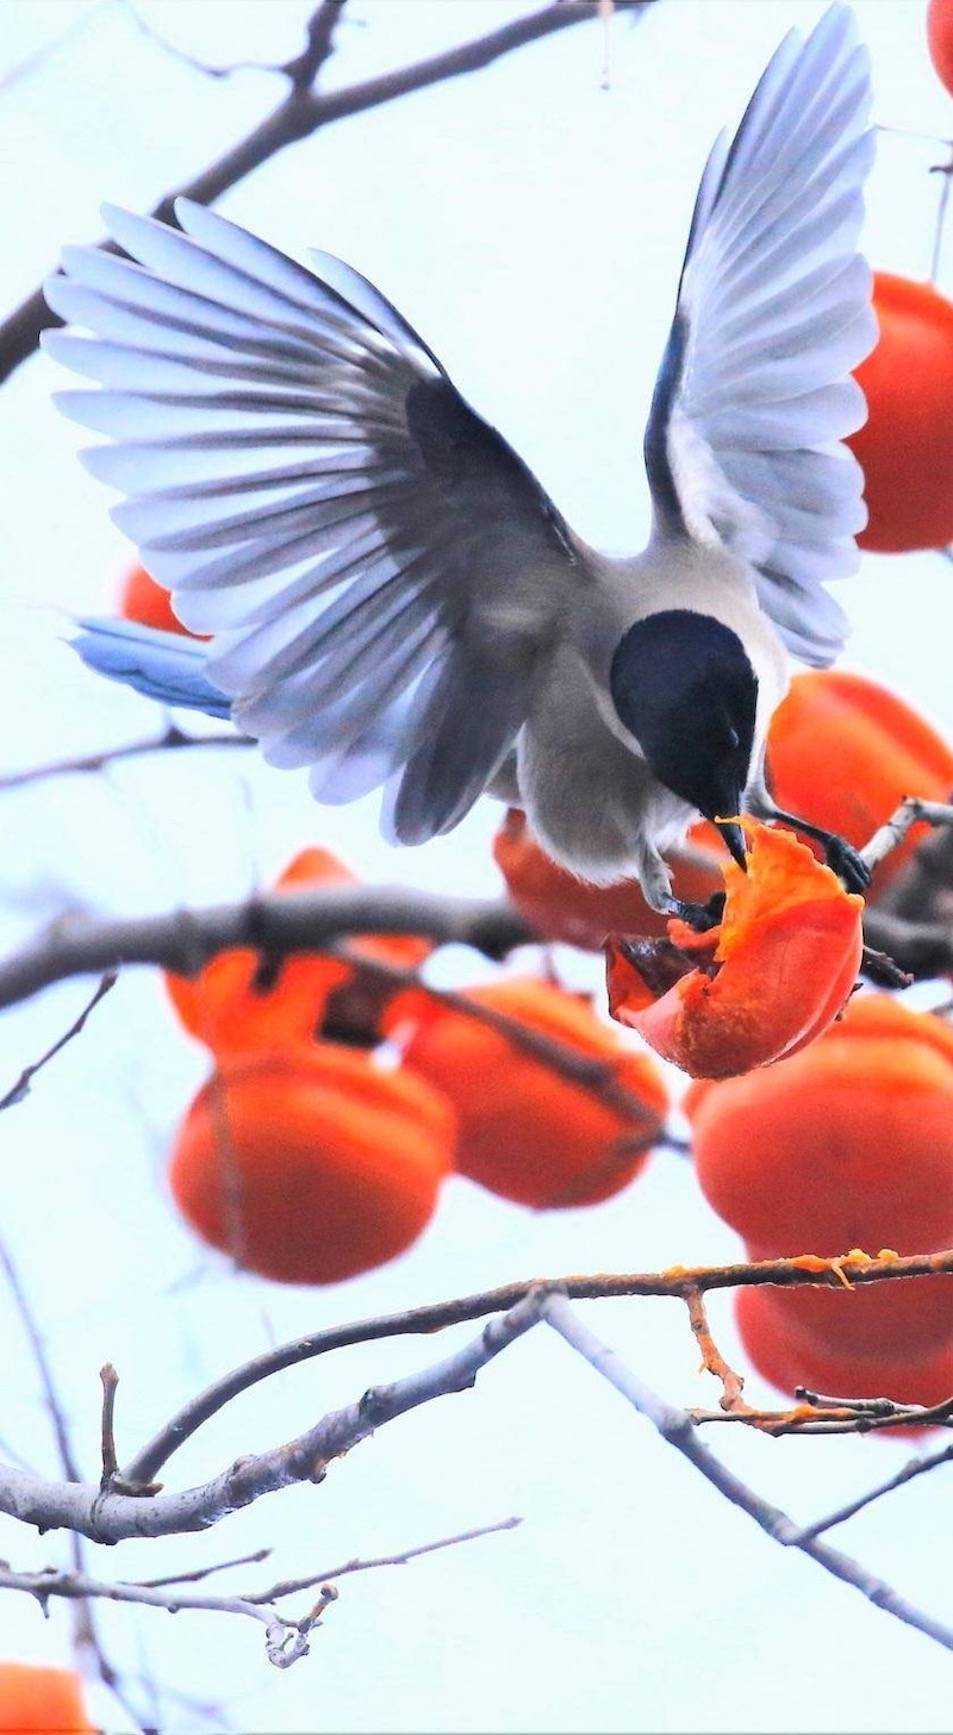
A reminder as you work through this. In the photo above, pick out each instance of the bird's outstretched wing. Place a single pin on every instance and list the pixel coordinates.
(754, 396)
(375, 562)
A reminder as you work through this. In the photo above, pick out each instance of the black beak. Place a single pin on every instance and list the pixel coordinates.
(735, 839)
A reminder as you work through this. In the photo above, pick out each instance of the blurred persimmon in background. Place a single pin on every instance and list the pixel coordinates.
(940, 39)
(906, 444)
(786, 1359)
(311, 1165)
(238, 1004)
(844, 751)
(525, 1131)
(561, 907)
(847, 1144)
(41, 1701)
(142, 599)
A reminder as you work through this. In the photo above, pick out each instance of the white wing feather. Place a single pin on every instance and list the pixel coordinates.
(754, 397)
(378, 568)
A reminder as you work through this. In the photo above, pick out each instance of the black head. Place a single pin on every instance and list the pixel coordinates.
(683, 685)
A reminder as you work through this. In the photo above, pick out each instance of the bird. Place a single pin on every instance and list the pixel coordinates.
(394, 601)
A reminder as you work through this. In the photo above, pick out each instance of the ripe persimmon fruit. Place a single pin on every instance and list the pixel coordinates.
(312, 1164)
(526, 1132)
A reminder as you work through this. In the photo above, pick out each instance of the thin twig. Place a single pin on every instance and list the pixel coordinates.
(916, 1467)
(21, 1089)
(80, 1586)
(172, 740)
(38, 57)
(200, 1572)
(677, 1428)
(86, 1640)
(51, 1397)
(300, 114)
(945, 172)
(193, 61)
(288, 1586)
(110, 1463)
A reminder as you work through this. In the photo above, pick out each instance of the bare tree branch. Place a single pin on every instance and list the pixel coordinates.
(280, 1635)
(86, 1640)
(114, 1514)
(303, 111)
(171, 740)
(677, 1428)
(281, 923)
(284, 1637)
(21, 1089)
(108, 1515)
(277, 923)
(678, 1282)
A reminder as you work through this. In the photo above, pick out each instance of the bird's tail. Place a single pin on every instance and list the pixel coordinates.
(163, 666)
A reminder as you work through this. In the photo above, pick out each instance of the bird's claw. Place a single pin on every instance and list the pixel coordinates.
(847, 863)
(701, 917)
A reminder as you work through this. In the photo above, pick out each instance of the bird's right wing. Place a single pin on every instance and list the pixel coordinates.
(379, 569)
(754, 396)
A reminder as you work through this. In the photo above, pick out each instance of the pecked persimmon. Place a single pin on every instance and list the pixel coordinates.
(235, 1006)
(313, 1164)
(525, 1132)
(787, 1359)
(142, 599)
(772, 975)
(35, 1700)
(940, 39)
(906, 445)
(847, 1144)
(845, 751)
(561, 907)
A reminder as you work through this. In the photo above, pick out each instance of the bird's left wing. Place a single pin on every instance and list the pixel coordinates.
(379, 569)
(754, 397)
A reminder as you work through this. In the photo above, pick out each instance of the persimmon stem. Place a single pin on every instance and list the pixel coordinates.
(712, 1359)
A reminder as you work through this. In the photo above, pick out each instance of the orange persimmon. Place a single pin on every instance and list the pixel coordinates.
(525, 1132)
(940, 39)
(142, 599)
(236, 1008)
(786, 1359)
(35, 1700)
(844, 752)
(906, 445)
(311, 1165)
(561, 907)
(847, 1144)
(770, 978)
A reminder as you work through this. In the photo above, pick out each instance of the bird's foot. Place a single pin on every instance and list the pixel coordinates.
(701, 917)
(847, 863)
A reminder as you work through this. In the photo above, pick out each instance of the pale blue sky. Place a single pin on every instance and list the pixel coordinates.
(531, 224)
